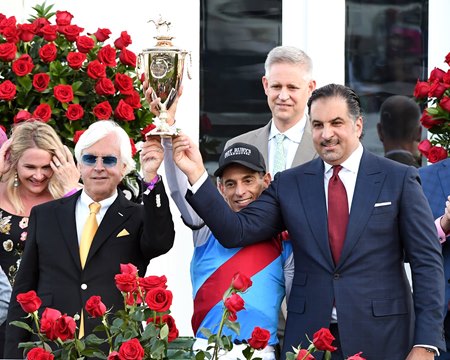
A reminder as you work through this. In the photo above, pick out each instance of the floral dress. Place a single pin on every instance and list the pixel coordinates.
(13, 233)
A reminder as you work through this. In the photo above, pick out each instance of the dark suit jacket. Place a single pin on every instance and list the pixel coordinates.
(51, 262)
(390, 217)
(436, 186)
(260, 139)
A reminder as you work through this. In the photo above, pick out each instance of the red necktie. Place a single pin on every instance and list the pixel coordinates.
(337, 213)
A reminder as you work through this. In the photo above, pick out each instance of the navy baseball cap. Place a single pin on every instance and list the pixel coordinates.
(244, 154)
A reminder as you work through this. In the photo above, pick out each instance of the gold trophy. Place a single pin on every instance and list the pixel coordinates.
(163, 67)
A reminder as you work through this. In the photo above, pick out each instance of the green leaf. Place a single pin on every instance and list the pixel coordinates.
(22, 325)
(164, 332)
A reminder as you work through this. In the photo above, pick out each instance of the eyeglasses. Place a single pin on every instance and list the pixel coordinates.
(91, 160)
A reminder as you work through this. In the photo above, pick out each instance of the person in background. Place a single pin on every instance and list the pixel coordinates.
(35, 168)
(127, 232)
(352, 218)
(399, 129)
(288, 82)
(3, 137)
(5, 294)
(436, 187)
(242, 178)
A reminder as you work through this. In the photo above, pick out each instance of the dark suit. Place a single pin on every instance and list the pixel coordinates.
(260, 139)
(51, 262)
(436, 186)
(389, 217)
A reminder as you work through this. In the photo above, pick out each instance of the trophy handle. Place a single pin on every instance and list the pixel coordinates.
(189, 66)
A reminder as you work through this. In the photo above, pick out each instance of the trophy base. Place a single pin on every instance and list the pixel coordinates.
(164, 133)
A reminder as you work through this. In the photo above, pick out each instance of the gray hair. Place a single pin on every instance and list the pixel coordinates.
(291, 55)
(98, 131)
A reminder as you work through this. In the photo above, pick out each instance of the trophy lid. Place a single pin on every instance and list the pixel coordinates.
(163, 37)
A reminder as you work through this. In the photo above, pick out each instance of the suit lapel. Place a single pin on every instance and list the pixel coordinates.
(444, 178)
(311, 188)
(65, 215)
(118, 213)
(305, 151)
(367, 189)
(262, 142)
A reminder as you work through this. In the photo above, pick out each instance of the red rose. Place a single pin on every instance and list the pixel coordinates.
(322, 340)
(39, 354)
(105, 86)
(49, 32)
(436, 74)
(103, 111)
(234, 303)
(43, 112)
(424, 147)
(128, 57)
(445, 103)
(7, 90)
(11, 34)
(437, 89)
(76, 59)
(356, 357)
(8, 52)
(447, 59)
(40, 23)
(95, 307)
(102, 34)
(85, 44)
(74, 112)
(107, 56)
(170, 321)
(151, 282)
(65, 327)
(123, 41)
(232, 316)
(114, 356)
(124, 111)
(241, 282)
(128, 269)
(126, 282)
(159, 299)
(23, 65)
(96, 70)
(131, 350)
(22, 115)
(29, 301)
(48, 52)
(48, 319)
(26, 31)
(147, 129)
(63, 93)
(428, 121)
(71, 32)
(302, 353)
(422, 89)
(41, 81)
(134, 100)
(63, 17)
(77, 135)
(436, 154)
(260, 338)
(124, 84)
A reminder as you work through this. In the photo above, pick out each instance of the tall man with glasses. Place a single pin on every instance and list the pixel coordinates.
(61, 264)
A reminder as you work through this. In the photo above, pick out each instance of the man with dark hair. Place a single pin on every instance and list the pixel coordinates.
(352, 218)
(399, 129)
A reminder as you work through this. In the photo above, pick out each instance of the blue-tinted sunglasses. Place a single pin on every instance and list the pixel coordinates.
(91, 160)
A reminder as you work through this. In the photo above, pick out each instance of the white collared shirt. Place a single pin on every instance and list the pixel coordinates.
(82, 210)
(290, 143)
(348, 174)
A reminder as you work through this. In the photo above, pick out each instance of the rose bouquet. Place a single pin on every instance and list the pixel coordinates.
(142, 330)
(435, 94)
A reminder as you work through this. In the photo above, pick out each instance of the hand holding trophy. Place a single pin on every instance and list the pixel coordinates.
(163, 68)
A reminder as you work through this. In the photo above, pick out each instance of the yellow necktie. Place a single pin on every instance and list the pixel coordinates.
(89, 229)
